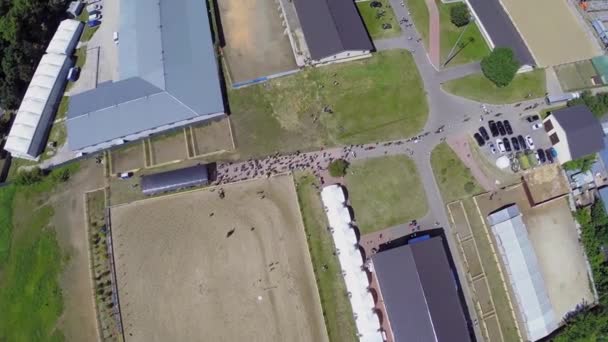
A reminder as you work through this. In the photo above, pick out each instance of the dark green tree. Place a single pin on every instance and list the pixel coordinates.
(459, 14)
(583, 163)
(337, 168)
(500, 66)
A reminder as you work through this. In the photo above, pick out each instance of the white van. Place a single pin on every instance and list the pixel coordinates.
(115, 37)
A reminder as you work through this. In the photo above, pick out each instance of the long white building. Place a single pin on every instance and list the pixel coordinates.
(29, 132)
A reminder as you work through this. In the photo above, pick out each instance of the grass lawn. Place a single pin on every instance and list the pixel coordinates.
(384, 192)
(420, 16)
(545, 112)
(87, 32)
(374, 99)
(30, 263)
(472, 46)
(62, 110)
(374, 24)
(524, 86)
(452, 176)
(332, 290)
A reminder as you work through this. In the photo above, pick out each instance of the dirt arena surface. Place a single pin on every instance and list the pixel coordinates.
(192, 265)
(168, 147)
(255, 43)
(552, 31)
(210, 137)
(128, 158)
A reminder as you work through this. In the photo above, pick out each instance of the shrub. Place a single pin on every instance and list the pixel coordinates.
(500, 66)
(459, 15)
(583, 163)
(29, 177)
(469, 187)
(337, 168)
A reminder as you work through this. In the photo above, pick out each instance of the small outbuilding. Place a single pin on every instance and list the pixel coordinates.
(74, 9)
(188, 177)
(574, 132)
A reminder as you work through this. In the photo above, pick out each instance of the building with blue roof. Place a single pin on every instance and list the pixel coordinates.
(168, 77)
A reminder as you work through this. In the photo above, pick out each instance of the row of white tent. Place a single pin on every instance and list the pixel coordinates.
(33, 119)
(351, 262)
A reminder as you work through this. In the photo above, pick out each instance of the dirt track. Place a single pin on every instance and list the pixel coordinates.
(180, 277)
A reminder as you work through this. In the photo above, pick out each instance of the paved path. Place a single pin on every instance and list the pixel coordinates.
(434, 33)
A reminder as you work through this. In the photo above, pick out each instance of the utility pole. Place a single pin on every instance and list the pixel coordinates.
(472, 19)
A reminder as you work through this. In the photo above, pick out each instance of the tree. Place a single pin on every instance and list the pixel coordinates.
(337, 168)
(459, 14)
(597, 104)
(583, 163)
(500, 66)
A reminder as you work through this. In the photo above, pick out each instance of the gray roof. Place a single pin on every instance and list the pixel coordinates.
(583, 130)
(168, 73)
(503, 215)
(173, 180)
(331, 27)
(420, 293)
(503, 33)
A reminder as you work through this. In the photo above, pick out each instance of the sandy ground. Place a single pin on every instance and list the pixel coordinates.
(255, 43)
(553, 234)
(169, 148)
(128, 158)
(552, 31)
(212, 137)
(78, 322)
(181, 277)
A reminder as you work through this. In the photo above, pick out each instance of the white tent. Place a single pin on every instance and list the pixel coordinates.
(351, 261)
(65, 38)
(524, 274)
(25, 137)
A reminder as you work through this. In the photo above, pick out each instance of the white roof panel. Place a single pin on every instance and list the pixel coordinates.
(60, 42)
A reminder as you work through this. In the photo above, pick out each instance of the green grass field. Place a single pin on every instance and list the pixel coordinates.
(576, 76)
(476, 87)
(384, 192)
(374, 99)
(30, 263)
(452, 176)
(373, 23)
(337, 311)
(472, 47)
(420, 16)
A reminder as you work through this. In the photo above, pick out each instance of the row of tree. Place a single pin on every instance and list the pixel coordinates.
(598, 103)
(592, 325)
(26, 27)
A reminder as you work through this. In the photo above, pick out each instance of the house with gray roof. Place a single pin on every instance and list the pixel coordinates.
(421, 293)
(168, 77)
(333, 30)
(574, 132)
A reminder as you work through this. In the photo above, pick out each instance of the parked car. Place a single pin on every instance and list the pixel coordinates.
(501, 146)
(507, 144)
(484, 133)
(493, 128)
(508, 127)
(95, 16)
(501, 128)
(125, 175)
(479, 139)
(538, 161)
(492, 148)
(521, 141)
(530, 142)
(549, 156)
(532, 118)
(73, 74)
(93, 23)
(94, 7)
(515, 143)
(115, 37)
(537, 126)
(541, 155)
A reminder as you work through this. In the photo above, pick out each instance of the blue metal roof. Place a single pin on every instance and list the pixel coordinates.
(168, 73)
(174, 180)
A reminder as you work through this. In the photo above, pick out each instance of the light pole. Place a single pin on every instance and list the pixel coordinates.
(471, 20)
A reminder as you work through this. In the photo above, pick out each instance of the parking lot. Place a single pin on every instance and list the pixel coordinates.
(514, 139)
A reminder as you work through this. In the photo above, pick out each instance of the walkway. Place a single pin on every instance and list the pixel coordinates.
(434, 34)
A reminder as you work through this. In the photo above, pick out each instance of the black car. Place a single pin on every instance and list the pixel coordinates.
(522, 142)
(501, 128)
(479, 139)
(532, 118)
(508, 127)
(493, 128)
(541, 155)
(515, 143)
(507, 144)
(484, 133)
(549, 156)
